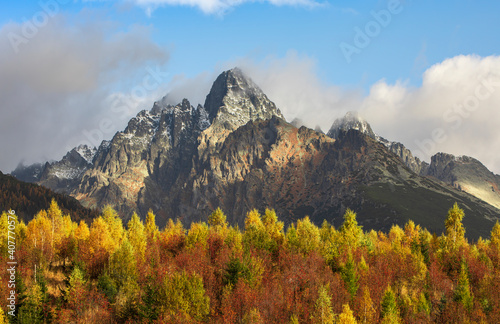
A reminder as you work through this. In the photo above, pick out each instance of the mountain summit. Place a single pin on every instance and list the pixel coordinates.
(235, 99)
(351, 120)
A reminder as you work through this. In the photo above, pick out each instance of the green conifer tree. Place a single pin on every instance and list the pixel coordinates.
(323, 313)
(389, 312)
(462, 293)
(350, 276)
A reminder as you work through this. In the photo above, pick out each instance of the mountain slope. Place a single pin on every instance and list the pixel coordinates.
(464, 173)
(27, 199)
(300, 172)
(59, 175)
(352, 120)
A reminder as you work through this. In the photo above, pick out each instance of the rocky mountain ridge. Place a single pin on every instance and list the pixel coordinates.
(237, 152)
(464, 173)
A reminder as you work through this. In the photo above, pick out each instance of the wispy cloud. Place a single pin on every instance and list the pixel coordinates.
(350, 11)
(217, 7)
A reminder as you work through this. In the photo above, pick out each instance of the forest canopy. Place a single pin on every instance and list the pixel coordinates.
(211, 272)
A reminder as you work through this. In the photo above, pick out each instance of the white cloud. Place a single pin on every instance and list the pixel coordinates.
(217, 6)
(454, 111)
(58, 83)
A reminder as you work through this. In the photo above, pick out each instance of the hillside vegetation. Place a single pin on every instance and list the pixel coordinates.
(68, 272)
(29, 198)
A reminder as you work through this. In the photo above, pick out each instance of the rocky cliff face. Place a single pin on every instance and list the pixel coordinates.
(412, 162)
(237, 152)
(28, 173)
(149, 164)
(156, 146)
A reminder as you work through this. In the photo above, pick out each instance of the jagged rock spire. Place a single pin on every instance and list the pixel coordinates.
(235, 99)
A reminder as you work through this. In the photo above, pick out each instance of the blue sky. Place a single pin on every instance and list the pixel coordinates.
(424, 33)
(89, 51)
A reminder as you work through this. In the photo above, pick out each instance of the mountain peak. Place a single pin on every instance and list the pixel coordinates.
(236, 71)
(86, 152)
(235, 99)
(351, 120)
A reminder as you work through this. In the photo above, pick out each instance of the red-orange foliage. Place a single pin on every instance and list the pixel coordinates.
(248, 282)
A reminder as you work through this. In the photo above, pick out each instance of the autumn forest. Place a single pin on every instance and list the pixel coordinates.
(105, 271)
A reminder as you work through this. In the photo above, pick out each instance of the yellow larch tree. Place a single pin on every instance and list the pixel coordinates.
(495, 237)
(100, 237)
(197, 235)
(151, 229)
(366, 310)
(82, 232)
(346, 317)
(115, 227)
(351, 232)
(136, 235)
(323, 312)
(455, 231)
(39, 237)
